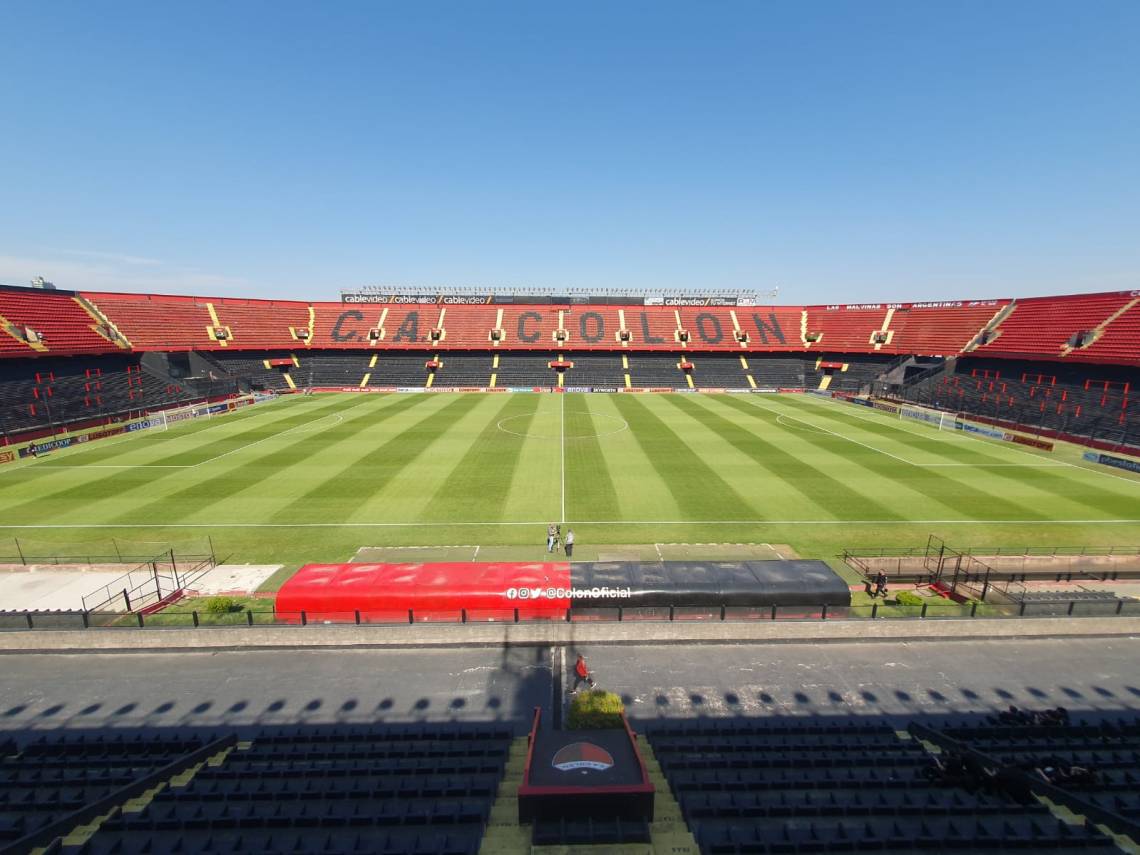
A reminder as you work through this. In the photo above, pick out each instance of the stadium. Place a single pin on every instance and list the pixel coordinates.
(290, 496)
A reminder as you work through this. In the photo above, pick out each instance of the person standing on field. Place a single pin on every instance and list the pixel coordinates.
(551, 534)
(569, 542)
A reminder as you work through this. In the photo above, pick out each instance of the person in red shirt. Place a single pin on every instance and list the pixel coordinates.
(581, 674)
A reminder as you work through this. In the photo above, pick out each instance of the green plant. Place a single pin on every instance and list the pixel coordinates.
(906, 598)
(222, 605)
(594, 710)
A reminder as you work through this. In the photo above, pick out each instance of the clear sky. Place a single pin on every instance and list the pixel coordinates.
(843, 151)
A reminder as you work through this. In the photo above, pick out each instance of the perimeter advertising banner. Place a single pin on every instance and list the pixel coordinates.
(7, 456)
(416, 299)
(1109, 460)
(53, 445)
(145, 424)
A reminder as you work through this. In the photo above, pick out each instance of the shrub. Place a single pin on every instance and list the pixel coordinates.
(906, 598)
(222, 605)
(595, 709)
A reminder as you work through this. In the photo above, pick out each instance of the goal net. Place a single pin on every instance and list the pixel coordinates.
(204, 410)
(943, 421)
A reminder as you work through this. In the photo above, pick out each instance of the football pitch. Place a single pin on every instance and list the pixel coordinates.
(318, 478)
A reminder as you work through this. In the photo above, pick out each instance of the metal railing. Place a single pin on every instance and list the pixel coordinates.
(150, 583)
(109, 551)
(934, 610)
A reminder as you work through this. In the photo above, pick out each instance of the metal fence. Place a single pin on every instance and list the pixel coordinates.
(151, 583)
(89, 620)
(19, 550)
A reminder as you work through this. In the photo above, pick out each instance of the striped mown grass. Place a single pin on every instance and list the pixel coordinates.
(316, 478)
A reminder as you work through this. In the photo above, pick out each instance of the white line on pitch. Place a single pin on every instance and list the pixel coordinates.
(577, 522)
(309, 425)
(778, 414)
(79, 467)
(562, 398)
(71, 451)
(968, 435)
(998, 465)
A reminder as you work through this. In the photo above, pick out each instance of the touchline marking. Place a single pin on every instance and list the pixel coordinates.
(817, 429)
(222, 421)
(81, 466)
(577, 522)
(778, 415)
(299, 427)
(998, 465)
(992, 443)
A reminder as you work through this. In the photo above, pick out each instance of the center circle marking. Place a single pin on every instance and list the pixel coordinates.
(620, 425)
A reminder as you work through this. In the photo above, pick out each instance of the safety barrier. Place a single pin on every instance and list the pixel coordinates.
(886, 610)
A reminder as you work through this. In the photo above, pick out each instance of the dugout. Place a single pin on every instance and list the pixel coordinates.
(708, 584)
(549, 591)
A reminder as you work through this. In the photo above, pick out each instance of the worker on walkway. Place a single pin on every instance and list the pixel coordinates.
(581, 674)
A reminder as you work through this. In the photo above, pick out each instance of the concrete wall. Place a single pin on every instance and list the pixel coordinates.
(503, 635)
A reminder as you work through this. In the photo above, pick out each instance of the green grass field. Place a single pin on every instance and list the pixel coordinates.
(318, 478)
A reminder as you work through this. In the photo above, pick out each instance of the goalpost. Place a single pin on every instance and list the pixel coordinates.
(943, 421)
(162, 419)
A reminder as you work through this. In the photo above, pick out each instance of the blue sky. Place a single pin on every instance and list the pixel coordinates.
(843, 151)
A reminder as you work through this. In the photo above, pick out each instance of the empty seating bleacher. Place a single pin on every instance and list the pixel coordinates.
(757, 786)
(939, 330)
(395, 789)
(1120, 340)
(1075, 398)
(158, 323)
(55, 776)
(37, 393)
(842, 328)
(60, 324)
(526, 369)
(1045, 325)
(464, 369)
(262, 324)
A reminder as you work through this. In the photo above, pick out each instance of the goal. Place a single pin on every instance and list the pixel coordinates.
(204, 410)
(941, 420)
